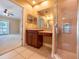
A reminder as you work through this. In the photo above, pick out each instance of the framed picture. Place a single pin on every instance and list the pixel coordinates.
(31, 19)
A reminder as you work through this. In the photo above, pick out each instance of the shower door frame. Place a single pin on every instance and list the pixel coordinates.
(78, 30)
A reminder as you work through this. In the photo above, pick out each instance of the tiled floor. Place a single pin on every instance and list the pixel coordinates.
(28, 53)
(10, 42)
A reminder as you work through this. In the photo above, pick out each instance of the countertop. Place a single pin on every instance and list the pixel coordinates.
(35, 29)
(41, 31)
(44, 31)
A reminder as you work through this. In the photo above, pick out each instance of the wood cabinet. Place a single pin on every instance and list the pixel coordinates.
(33, 38)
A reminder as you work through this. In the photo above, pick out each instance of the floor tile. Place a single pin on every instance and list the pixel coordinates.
(27, 53)
(18, 57)
(44, 51)
(9, 42)
(20, 49)
(37, 56)
(8, 55)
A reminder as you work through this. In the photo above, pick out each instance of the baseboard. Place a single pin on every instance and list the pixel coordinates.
(47, 45)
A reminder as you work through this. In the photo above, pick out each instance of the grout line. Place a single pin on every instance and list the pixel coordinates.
(9, 51)
(20, 54)
(20, 51)
(13, 56)
(31, 55)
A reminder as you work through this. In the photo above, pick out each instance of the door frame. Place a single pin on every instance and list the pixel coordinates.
(22, 29)
(21, 20)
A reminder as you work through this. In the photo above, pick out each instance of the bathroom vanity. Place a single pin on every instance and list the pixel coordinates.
(34, 37)
(38, 28)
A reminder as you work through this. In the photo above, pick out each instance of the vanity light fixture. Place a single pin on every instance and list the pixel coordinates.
(34, 2)
(49, 17)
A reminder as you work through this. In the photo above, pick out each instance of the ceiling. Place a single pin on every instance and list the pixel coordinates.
(35, 2)
(16, 10)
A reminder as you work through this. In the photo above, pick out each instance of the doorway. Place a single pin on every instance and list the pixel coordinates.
(10, 26)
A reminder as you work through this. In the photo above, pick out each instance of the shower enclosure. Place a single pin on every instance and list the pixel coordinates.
(66, 39)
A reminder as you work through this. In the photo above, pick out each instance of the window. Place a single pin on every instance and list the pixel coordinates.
(4, 27)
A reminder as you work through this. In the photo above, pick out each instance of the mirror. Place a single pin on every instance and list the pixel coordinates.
(46, 17)
(40, 22)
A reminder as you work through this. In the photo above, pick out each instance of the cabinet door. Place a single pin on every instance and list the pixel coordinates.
(40, 40)
(34, 40)
(29, 38)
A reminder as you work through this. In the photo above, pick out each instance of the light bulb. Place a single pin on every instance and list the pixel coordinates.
(33, 1)
(48, 17)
